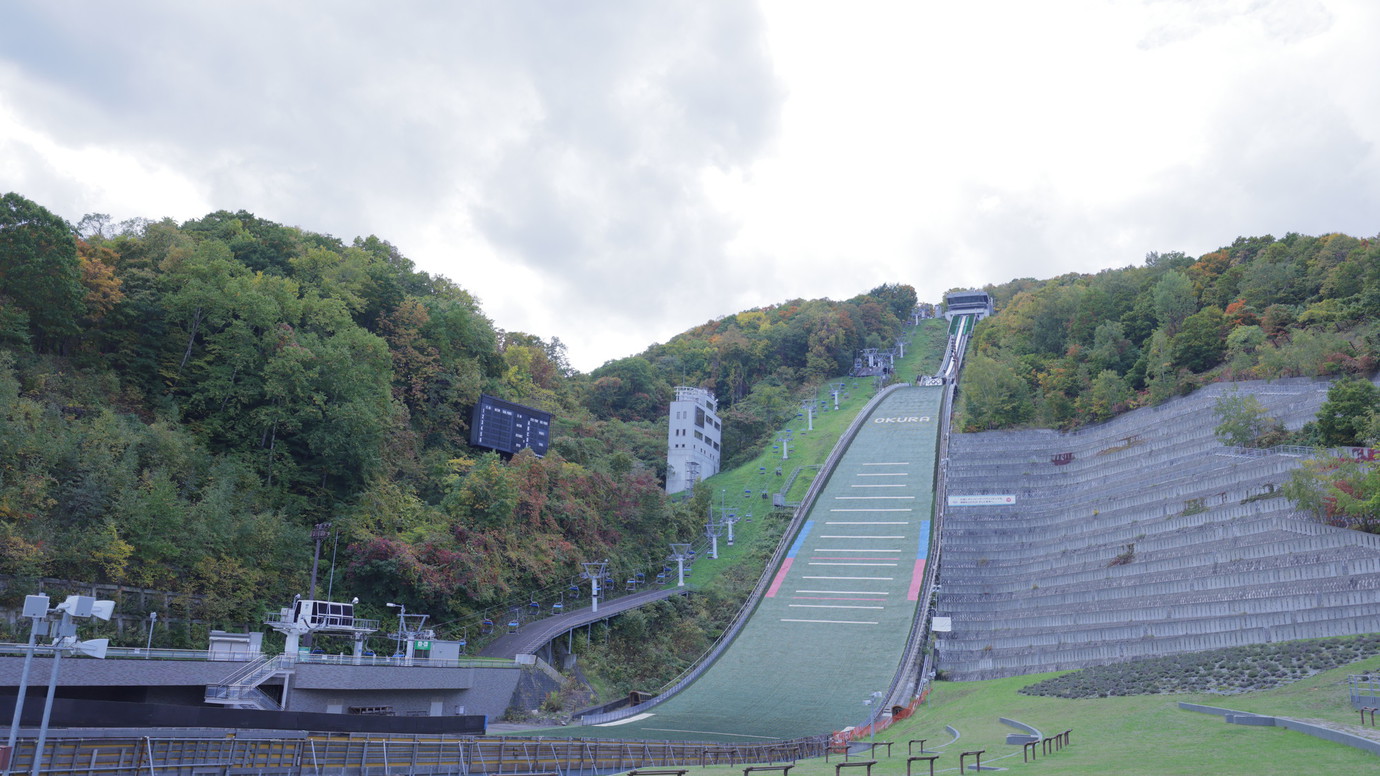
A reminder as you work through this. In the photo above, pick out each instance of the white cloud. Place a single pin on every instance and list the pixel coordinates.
(613, 173)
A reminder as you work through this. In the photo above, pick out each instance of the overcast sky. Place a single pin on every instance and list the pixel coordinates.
(613, 173)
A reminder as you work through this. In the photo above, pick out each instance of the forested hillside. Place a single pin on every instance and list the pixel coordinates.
(1080, 348)
(180, 403)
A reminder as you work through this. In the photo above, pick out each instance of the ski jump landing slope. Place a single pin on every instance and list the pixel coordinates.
(833, 624)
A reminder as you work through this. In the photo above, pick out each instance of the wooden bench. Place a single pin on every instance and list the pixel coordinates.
(785, 769)
(930, 757)
(659, 772)
(855, 764)
(977, 756)
(910, 747)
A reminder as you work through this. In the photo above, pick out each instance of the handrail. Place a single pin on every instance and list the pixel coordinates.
(201, 655)
(744, 613)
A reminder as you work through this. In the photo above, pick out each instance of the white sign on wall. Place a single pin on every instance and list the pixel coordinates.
(982, 500)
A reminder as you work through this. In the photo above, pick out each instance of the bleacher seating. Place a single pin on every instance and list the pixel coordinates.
(1149, 539)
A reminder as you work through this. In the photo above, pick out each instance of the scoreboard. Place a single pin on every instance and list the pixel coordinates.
(507, 427)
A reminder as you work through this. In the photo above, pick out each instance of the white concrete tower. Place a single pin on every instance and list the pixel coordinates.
(692, 443)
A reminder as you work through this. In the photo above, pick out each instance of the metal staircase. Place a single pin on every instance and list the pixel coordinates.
(241, 689)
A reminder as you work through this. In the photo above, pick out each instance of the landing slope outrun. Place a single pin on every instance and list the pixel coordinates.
(831, 630)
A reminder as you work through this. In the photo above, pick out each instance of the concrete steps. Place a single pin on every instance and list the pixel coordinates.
(1037, 585)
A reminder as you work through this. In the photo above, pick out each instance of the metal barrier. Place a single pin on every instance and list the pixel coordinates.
(219, 752)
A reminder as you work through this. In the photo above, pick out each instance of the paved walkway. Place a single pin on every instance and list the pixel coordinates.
(537, 634)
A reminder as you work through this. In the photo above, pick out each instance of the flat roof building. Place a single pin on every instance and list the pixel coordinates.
(970, 302)
(693, 439)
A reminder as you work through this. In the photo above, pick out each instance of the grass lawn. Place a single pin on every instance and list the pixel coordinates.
(1145, 735)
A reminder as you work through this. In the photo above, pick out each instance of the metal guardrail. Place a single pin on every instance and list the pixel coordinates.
(1364, 690)
(226, 753)
(201, 655)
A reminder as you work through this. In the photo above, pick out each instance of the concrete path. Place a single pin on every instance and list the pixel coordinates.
(534, 635)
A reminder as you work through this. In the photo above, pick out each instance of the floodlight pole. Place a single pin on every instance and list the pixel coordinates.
(153, 620)
(402, 624)
(32, 604)
(64, 625)
(67, 629)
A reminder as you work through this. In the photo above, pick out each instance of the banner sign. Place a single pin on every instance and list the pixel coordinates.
(984, 500)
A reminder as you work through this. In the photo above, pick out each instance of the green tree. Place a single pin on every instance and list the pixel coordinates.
(1173, 300)
(1199, 345)
(994, 395)
(1242, 344)
(40, 276)
(1111, 348)
(1241, 419)
(1345, 418)
(1108, 395)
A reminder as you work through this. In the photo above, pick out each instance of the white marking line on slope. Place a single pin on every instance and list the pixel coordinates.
(889, 463)
(834, 622)
(874, 498)
(831, 606)
(857, 579)
(836, 536)
(818, 563)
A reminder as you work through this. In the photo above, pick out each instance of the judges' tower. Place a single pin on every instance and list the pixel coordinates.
(692, 443)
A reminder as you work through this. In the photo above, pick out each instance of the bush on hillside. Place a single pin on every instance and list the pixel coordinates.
(1220, 671)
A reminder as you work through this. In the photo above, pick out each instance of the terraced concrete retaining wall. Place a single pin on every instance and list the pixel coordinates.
(1141, 536)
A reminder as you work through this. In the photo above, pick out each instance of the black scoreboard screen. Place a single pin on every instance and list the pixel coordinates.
(507, 427)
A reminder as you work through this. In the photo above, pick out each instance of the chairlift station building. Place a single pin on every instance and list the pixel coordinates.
(977, 303)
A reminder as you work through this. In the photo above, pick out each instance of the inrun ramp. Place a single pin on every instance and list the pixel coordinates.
(832, 627)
